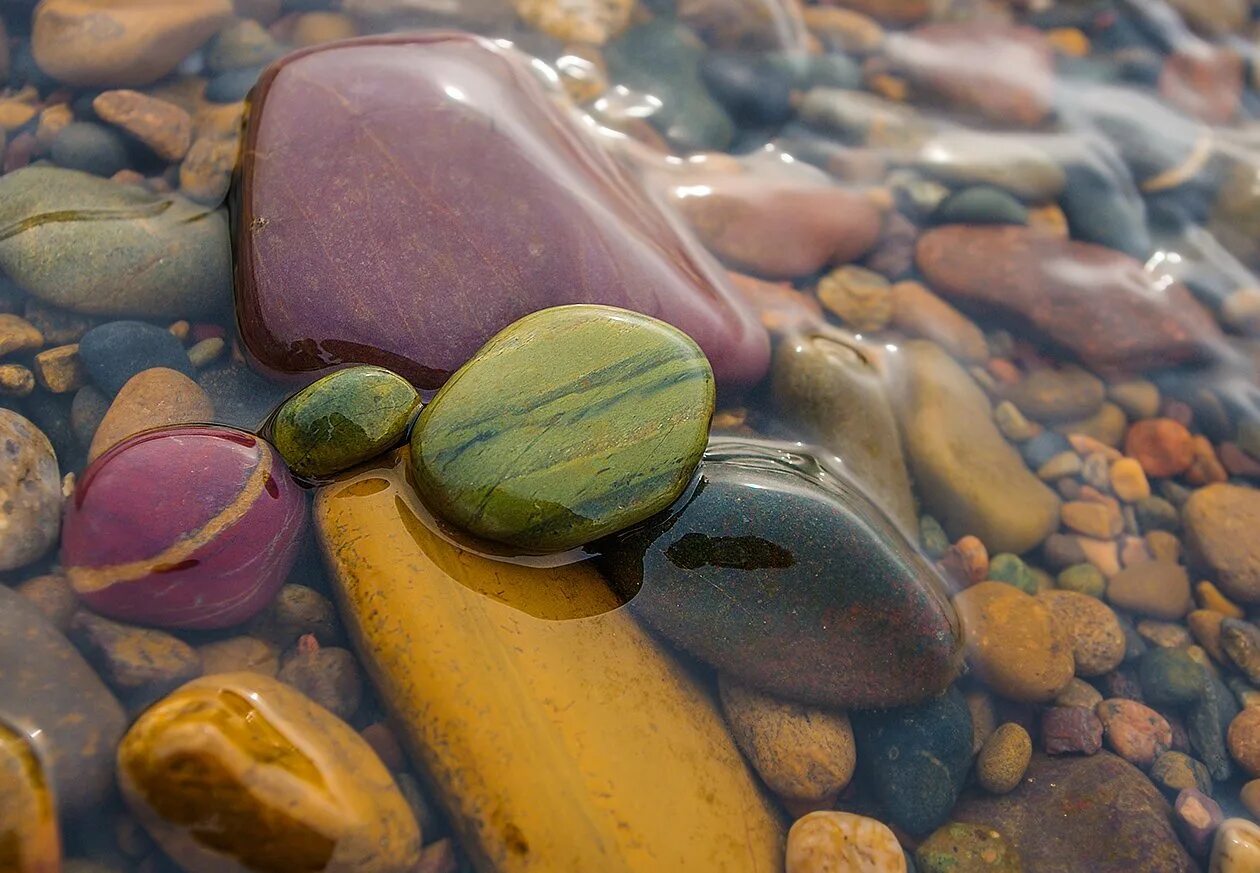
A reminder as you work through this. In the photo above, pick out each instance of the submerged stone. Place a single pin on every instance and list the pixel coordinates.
(464, 199)
(604, 414)
(780, 571)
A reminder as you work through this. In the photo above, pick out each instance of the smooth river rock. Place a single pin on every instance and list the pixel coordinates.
(571, 424)
(1096, 302)
(99, 248)
(777, 569)
(47, 691)
(30, 492)
(1095, 814)
(969, 477)
(1220, 520)
(464, 199)
(489, 691)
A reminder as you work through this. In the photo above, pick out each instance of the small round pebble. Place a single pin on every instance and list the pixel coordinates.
(1005, 567)
(1170, 677)
(1079, 693)
(1162, 446)
(30, 492)
(1175, 771)
(861, 298)
(1084, 579)
(1014, 642)
(1128, 480)
(1243, 739)
(840, 842)
(328, 675)
(92, 148)
(1250, 797)
(1071, 730)
(1135, 732)
(1196, 816)
(1004, 758)
(296, 611)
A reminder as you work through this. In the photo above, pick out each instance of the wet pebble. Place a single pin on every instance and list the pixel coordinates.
(1236, 848)
(1013, 642)
(1084, 579)
(980, 205)
(1162, 446)
(1154, 588)
(1071, 729)
(1196, 816)
(1170, 677)
(92, 148)
(294, 612)
(53, 597)
(1174, 772)
(1217, 521)
(1004, 758)
(157, 397)
(1243, 739)
(1094, 634)
(959, 846)
(1241, 642)
(239, 654)
(140, 664)
(859, 297)
(116, 351)
(829, 842)
(328, 675)
(30, 492)
(1135, 732)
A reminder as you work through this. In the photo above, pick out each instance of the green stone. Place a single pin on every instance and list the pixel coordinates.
(344, 419)
(981, 204)
(573, 423)
(1008, 568)
(1170, 677)
(966, 848)
(1084, 579)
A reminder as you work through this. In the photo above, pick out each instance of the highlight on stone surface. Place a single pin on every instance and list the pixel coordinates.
(239, 772)
(571, 424)
(188, 527)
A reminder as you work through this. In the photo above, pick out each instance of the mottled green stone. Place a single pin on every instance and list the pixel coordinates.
(1008, 568)
(573, 423)
(966, 848)
(344, 419)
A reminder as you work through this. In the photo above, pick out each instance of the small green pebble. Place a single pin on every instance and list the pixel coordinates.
(958, 847)
(1156, 513)
(1005, 567)
(932, 536)
(1170, 677)
(1083, 578)
(344, 419)
(1176, 771)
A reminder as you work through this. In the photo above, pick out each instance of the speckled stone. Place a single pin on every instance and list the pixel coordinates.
(30, 492)
(1004, 758)
(831, 842)
(1236, 848)
(973, 848)
(609, 436)
(1218, 521)
(1014, 643)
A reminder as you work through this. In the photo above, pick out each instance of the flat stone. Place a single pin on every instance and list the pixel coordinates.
(1105, 308)
(1057, 394)
(1135, 732)
(140, 664)
(609, 436)
(1094, 813)
(1008, 161)
(1218, 520)
(162, 126)
(969, 477)
(96, 247)
(823, 577)
(1155, 588)
(579, 230)
(568, 696)
(152, 398)
(920, 313)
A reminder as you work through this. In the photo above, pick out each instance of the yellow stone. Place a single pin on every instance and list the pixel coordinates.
(60, 370)
(1210, 597)
(840, 842)
(555, 745)
(1128, 480)
(239, 773)
(29, 841)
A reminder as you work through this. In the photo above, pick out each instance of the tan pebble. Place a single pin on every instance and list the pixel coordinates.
(801, 752)
(16, 380)
(1092, 519)
(1133, 550)
(589, 21)
(52, 120)
(151, 398)
(1004, 758)
(1206, 468)
(237, 654)
(1092, 629)
(1078, 692)
(1103, 554)
(1203, 659)
(1128, 480)
(128, 177)
(180, 330)
(1061, 465)
(1139, 398)
(54, 597)
(1220, 529)
(1205, 626)
(1049, 220)
(206, 172)
(162, 126)
(1106, 426)
(1084, 444)
(60, 370)
(1014, 642)
(859, 297)
(1163, 634)
(1210, 597)
(1236, 848)
(1156, 588)
(1013, 424)
(1164, 546)
(1250, 797)
(983, 717)
(18, 335)
(1243, 739)
(218, 121)
(975, 557)
(207, 351)
(840, 842)
(313, 28)
(919, 312)
(14, 114)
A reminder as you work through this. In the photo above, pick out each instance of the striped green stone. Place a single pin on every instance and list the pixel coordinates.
(344, 419)
(570, 424)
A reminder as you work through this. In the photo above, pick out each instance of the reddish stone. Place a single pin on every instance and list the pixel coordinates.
(1161, 445)
(1135, 732)
(1003, 73)
(404, 198)
(1097, 302)
(188, 527)
(1203, 81)
(1067, 729)
(1196, 817)
(1206, 468)
(781, 308)
(1238, 462)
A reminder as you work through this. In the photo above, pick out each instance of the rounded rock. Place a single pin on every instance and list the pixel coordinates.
(1243, 739)
(1162, 446)
(1137, 733)
(153, 398)
(1219, 521)
(238, 772)
(1155, 588)
(1013, 642)
(831, 842)
(1004, 758)
(973, 848)
(609, 437)
(30, 492)
(1095, 635)
(1170, 677)
(91, 148)
(230, 524)
(1236, 848)
(116, 351)
(1083, 578)
(343, 419)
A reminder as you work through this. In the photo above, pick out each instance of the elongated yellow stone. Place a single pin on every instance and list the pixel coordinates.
(29, 841)
(555, 745)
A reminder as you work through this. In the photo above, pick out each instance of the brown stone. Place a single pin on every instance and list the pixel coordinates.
(1091, 628)
(1095, 301)
(920, 313)
(1221, 522)
(16, 380)
(1243, 739)
(162, 126)
(1153, 588)
(151, 398)
(206, 172)
(60, 370)
(1013, 642)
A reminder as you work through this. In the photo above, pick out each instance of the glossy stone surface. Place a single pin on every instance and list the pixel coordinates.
(575, 744)
(239, 772)
(47, 691)
(1096, 302)
(781, 572)
(571, 424)
(29, 840)
(343, 419)
(463, 199)
(190, 527)
(840, 842)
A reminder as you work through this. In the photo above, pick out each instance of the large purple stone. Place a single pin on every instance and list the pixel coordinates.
(404, 198)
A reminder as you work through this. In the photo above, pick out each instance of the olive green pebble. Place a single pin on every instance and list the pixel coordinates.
(1170, 677)
(1084, 579)
(959, 847)
(933, 537)
(1176, 771)
(1004, 758)
(1005, 567)
(344, 419)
